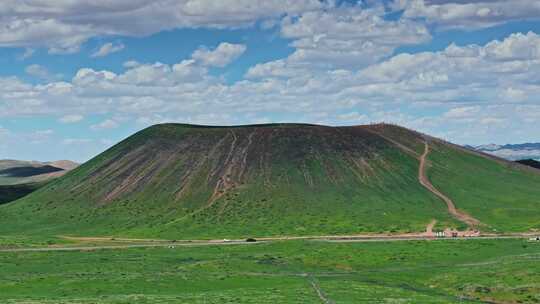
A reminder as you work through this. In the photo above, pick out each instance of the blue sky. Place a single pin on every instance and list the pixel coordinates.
(77, 78)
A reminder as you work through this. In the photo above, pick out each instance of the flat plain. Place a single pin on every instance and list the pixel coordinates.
(438, 271)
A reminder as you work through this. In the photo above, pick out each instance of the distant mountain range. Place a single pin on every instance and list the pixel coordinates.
(19, 178)
(23, 172)
(511, 152)
(530, 162)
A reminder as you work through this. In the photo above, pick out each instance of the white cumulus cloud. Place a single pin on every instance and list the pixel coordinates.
(71, 118)
(343, 37)
(41, 72)
(469, 14)
(221, 56)
(63, 26)
(106, 124)
(107, 49)
(460, 92)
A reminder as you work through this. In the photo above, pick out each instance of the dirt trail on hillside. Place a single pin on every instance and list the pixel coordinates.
(429, 227)
(422, 178)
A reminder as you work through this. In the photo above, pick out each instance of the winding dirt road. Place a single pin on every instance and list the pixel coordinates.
(423, 179)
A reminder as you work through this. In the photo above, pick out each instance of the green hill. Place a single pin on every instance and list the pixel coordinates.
(185, 181)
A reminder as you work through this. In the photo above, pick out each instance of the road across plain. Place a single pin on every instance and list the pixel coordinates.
(193, 243)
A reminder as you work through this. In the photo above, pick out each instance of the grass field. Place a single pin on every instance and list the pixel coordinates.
(450, 271)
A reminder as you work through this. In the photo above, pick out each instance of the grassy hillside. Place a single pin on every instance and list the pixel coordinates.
(183, 181)
(503, 195)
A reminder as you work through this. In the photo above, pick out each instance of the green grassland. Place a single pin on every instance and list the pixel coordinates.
(449, 271)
